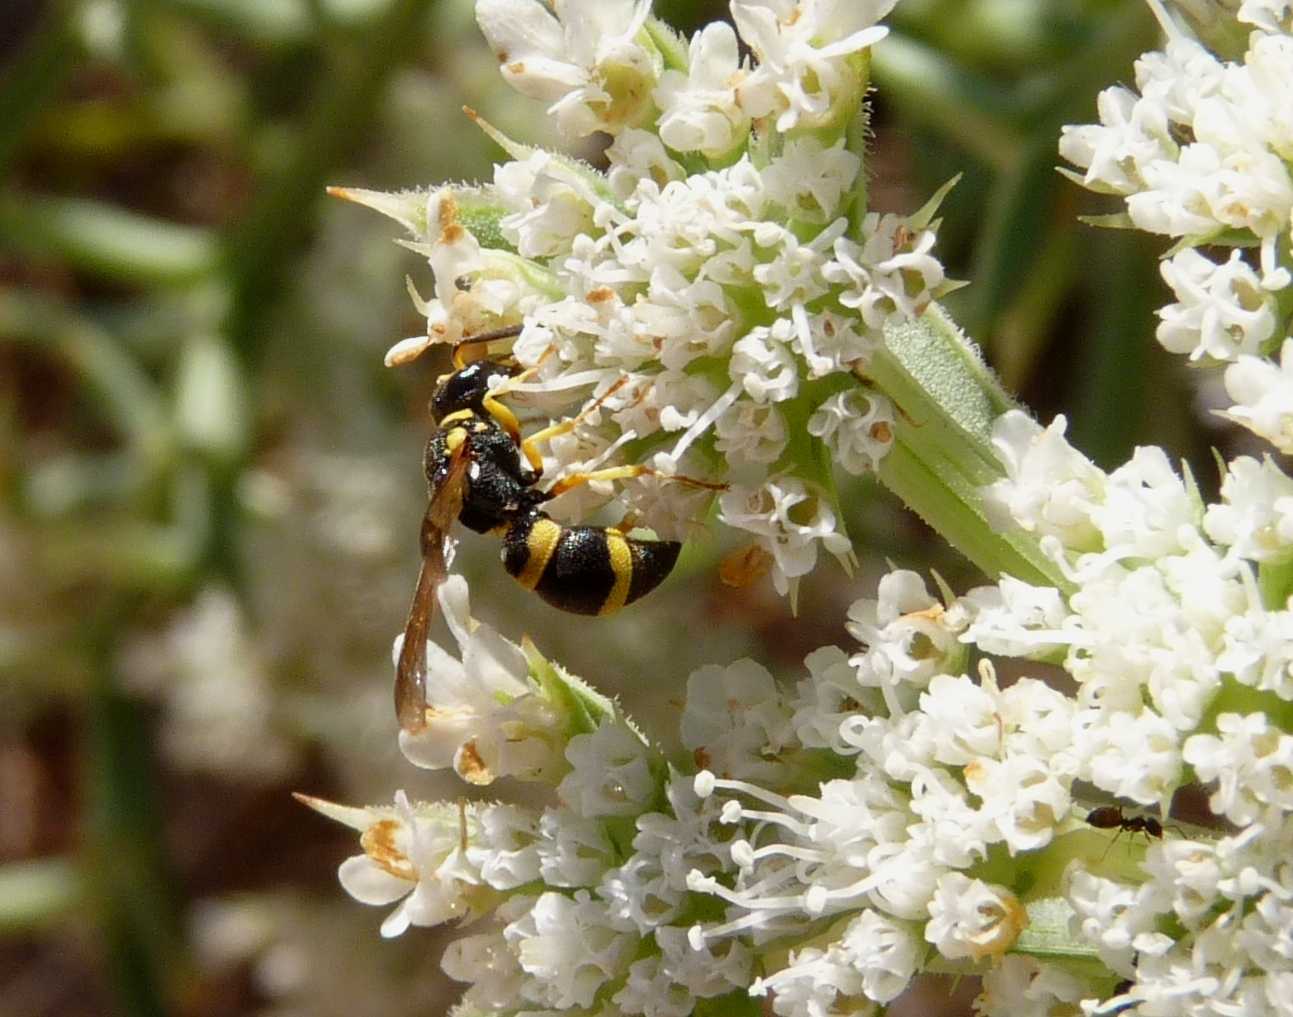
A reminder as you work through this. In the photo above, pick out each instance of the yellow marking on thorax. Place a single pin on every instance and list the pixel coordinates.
(454, 438)
(456, 415)
(622, 566)
(541, 542)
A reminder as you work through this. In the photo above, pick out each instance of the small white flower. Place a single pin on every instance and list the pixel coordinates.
(825, 700)
(1015, 619)
(830, 342)
(789, 519)
(794, 275)
(763, 364)
(1022, 986)
(1251, 761)
(1263, 395)
(1132, 756)
(803, 75)
(610, 773)
(974, 919)
(636, 155)
(1108, 915)
(586, 59)
(1147, 510)
(1180, 77)
(567, 948)
(699, 109)
(484, 717)
(957, 831)
(735, 718)
(750, 434)
(1255, 515)
(573, 850)
(810, 180)
(714, 970)
(1050, 488)
(550, 212)
(908, 635)
(892, 273)
(857, 426)
(487, 963)
(1268, 15)
(1222, 310)
(417, 855)
(1022, 797)
(1259, 650)
(653, 991)
(639, 896)
(1132, 133)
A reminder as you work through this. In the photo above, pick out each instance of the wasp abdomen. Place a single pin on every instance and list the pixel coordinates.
(584, 569)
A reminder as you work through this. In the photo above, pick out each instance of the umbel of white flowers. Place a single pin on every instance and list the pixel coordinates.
(716, 293)
(895, 809)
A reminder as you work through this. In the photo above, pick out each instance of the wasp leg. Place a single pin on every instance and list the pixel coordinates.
(529, 445)
(503, 416)
(573, 480)
(497, 409)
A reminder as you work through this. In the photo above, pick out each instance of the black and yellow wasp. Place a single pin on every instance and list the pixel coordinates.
(482, 473)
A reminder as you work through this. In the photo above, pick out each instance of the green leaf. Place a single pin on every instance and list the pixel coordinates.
(942, 455)
(586, 181)
(584, 707)
(107, 241)
(1047, 935)
(923, 216)
(672, 44)
(1111, 221)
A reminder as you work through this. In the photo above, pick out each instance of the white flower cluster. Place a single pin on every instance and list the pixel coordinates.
(705, 307)
(843, 828)
(1202, 153)
(1182, 652)
(584, 898)
(707, 304)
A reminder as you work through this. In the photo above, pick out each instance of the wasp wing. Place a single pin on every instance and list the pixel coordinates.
(411, 670)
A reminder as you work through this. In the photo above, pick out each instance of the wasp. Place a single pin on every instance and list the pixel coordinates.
(483, 474)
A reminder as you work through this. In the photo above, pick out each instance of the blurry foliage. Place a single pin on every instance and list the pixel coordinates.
(210, 486)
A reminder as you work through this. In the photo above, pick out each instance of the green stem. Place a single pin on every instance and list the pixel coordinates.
(942, 456)
(259, 253)
(129, 877)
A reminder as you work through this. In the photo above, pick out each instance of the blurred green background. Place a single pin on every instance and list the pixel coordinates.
(210, 486)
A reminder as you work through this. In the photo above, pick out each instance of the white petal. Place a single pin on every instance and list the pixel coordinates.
(396, 922)
(368, 883)
(519, 29)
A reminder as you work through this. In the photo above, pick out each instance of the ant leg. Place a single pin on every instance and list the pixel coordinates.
(573, 480)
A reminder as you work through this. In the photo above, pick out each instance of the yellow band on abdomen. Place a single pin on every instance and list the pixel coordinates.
(541, 541)
(622, 565)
